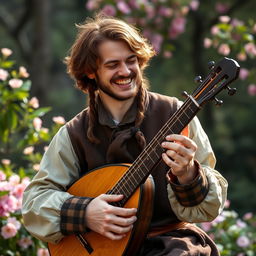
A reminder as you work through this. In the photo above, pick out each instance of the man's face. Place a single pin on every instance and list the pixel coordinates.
(118, 74)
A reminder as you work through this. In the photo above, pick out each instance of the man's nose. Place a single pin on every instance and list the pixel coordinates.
(124, 70)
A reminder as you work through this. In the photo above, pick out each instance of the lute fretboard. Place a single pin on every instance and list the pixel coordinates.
(152, 154)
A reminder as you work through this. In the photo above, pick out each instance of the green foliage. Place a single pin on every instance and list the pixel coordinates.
(22, 139)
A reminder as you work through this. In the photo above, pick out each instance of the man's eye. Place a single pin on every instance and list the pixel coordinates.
(112, 66)
(132, 61)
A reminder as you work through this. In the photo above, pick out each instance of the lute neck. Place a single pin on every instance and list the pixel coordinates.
(141, 168)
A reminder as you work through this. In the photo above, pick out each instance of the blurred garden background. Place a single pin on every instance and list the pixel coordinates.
(37, 96)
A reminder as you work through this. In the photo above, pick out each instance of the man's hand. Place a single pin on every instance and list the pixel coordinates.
(179, 156)
(108, 220)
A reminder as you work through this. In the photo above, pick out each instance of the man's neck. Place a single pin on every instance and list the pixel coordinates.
(117, 108)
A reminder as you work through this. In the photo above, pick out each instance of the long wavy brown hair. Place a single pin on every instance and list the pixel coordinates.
(84, 54)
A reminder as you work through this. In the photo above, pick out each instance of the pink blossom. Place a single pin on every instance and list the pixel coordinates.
(250, 48)
(224, 49)
(206, 226)
(23, 72)
(36, 167)
(34, 102)
(227, 203)
(207, 43)
(5, 186)
(59, 120)
(11, 204)
(243, 241)
(134, 4)
(28, 150)
(248, 216)
(3, 211)
(37, 123)
(25, 242)
(15, 222)
(6, 161)
(156, 40)
(215, 30)
(224, 19)
(150, 11)
(241, 56)
(19, 190)
(15, 83)
(109, 9)
(184, 10)
(6, 52)
(241, 224)
(165, 11)
(123, 7)
(14, 179)
(252, 89)
(177, 27)
(92, 5)
(221, 7)
(2, 175)
(194, 5)
(219, 219)
(167, 54)
(8, 231)
(42, 252)
(243, 73)
(236, 22)
(3, 74)
(25, 181)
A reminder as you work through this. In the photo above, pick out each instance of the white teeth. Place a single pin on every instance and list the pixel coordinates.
(126, 81)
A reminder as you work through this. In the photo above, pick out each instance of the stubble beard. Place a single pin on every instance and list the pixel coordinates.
(115, 96)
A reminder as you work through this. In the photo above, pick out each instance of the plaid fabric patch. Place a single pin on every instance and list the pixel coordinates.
(191, 194)
(72, 220)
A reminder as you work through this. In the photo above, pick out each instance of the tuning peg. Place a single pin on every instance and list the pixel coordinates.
(198, 79)
(211, 64)
(184, 94)
(231, 91)
(218, 102)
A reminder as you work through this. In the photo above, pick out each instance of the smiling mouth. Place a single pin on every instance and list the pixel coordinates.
(123, 81)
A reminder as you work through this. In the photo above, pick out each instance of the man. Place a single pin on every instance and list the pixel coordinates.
(107, 61)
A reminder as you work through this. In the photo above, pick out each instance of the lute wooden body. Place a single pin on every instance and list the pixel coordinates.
(104, 180)
(133, 181)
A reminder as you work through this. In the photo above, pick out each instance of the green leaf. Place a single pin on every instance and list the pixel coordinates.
(20, 95)
(3, 193)
(12, 118)
(40, 112)
(7, 64)
(248, 37)
(26, 85)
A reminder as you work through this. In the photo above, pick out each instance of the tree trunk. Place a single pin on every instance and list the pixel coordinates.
(40, 58)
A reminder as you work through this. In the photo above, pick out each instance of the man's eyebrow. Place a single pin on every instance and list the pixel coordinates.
(115, 61)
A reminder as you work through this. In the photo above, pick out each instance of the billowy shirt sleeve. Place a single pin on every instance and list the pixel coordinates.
(213, 203)
(45, 195)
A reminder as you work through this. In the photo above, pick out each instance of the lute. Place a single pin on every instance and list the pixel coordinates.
(133, 181)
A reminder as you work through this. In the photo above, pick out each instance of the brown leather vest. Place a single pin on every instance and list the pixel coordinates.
(118, 145)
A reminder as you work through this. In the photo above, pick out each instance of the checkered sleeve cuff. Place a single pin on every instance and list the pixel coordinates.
(72, 215)
(191, 194)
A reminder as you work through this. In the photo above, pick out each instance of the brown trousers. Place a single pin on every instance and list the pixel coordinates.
(189, 241)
